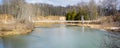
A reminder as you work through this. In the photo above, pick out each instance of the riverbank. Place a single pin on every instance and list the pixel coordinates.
(98, 26)
(109, 23)
(15, 29)
(14, 32)
(93, 25)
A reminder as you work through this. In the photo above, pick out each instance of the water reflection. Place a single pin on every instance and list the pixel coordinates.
(10, 42)
(1, 43)
(83, 28)
(61, 37)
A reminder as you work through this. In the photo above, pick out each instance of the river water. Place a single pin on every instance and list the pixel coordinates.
(62, 36)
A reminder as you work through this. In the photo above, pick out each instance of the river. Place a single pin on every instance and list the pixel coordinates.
(62, 36)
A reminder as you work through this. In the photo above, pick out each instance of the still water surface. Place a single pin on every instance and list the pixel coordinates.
(62, 36)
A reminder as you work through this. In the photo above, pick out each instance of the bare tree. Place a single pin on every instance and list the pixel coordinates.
(19, 9)
(93, 9)
(110, 7)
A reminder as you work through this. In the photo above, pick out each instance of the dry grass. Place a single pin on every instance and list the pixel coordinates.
(13, 28)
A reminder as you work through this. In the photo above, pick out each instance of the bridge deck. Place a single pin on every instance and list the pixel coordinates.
(65, 21)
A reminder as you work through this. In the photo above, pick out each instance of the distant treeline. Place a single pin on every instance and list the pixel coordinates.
(90, 10)
(93, 10)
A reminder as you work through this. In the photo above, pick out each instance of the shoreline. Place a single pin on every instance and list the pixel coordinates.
(15, 29)
(95, 26)
(25, 28)
(110, 29)
(7, 33)
(98, 26)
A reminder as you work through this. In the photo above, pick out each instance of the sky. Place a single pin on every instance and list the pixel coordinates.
(58, 2)
(0, 1)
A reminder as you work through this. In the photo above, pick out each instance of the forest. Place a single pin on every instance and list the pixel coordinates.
(90, 10)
